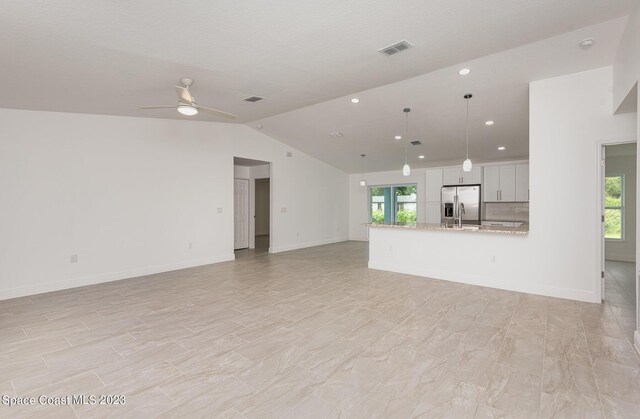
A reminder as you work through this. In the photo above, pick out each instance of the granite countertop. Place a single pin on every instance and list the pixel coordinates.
(521, 230)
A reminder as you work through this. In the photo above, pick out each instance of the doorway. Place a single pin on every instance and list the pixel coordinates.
(262, 213)
(252, 206)
(618, 198)
(240, 214)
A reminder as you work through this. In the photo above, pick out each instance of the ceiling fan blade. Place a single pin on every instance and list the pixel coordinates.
(158, 107)
(217, 112)
(183, 94)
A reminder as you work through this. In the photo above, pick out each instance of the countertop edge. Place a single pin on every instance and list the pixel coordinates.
(514, 231)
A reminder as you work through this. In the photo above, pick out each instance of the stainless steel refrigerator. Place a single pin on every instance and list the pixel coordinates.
(468, 196)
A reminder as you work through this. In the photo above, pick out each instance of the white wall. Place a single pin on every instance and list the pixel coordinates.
(569, 116)
(358, 206)
(128, 195)
(624, 250)
(626, 74)
(626, 67)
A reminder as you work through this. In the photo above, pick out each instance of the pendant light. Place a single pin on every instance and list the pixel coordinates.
(363, 182)
(466, 166)
(406, 170)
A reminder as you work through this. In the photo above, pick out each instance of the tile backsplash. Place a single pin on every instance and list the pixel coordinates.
(506, 211)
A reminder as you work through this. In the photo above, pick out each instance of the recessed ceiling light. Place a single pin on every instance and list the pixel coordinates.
(336, 134)
(489, 123)
(421, 157)
(355, 100)
(259, 126)
(586, 43)
(398, 137)
(502, 148)
(464, 71)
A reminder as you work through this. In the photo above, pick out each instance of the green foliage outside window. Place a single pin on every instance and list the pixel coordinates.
(613, 200)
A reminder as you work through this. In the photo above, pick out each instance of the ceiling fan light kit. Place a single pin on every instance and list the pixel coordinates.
(188, 110)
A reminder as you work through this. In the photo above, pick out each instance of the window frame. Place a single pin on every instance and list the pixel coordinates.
(393, 207)
(621, 208)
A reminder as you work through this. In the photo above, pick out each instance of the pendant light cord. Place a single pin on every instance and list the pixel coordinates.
(363, 165)
(406, 134)
(467, 128)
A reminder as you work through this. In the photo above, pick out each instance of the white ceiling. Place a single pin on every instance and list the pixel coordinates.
(109, 57)
(499, 83)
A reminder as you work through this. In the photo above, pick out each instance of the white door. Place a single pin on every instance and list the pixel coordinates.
(452, 176)
(491, 184)
(508, 183)
(240, 213)
(522, 182)
(473, 177)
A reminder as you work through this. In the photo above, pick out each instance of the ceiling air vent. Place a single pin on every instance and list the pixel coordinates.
(336, 134)
(416, 142)
(395, 48)
(253, 99)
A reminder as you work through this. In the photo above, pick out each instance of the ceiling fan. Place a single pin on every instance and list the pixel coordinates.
(187, 103)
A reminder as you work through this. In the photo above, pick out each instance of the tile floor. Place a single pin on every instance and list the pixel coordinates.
(620, 292)
(314, 333)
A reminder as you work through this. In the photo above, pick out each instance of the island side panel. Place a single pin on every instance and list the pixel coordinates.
(492, 260)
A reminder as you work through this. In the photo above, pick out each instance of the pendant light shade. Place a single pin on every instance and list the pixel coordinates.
(466, 166)
(406, 170)
(363, 181)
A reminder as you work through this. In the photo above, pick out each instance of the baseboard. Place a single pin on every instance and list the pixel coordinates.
(108, 277)
(621, 258)
(359, 239)
(538, 289)
(295, 246)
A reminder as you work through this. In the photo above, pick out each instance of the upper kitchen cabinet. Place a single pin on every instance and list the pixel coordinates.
(506, 183)
(522, 182)
(457, 176)
(434, 185)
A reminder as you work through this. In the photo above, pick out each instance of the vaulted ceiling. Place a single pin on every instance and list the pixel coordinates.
(110, 57)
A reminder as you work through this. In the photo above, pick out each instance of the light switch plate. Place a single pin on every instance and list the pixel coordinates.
(283, 209)
(73, 258)
(219, 210)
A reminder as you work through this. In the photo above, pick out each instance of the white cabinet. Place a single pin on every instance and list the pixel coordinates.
(457, 176)
(508, 183)
(501, 185)
(434, 185)
(433, 212)
(452, 176)
(522, 182)
(433, 195)
(491, 184)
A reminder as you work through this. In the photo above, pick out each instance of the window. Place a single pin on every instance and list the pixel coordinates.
(614, 207)
(397, 203)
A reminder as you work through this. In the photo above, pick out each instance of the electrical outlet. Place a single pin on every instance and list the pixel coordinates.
(493, 259)
(219, 210)
(283, 209)
(73, 258)
(190, 245)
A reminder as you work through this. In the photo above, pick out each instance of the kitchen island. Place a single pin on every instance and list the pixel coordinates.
(486, 255)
